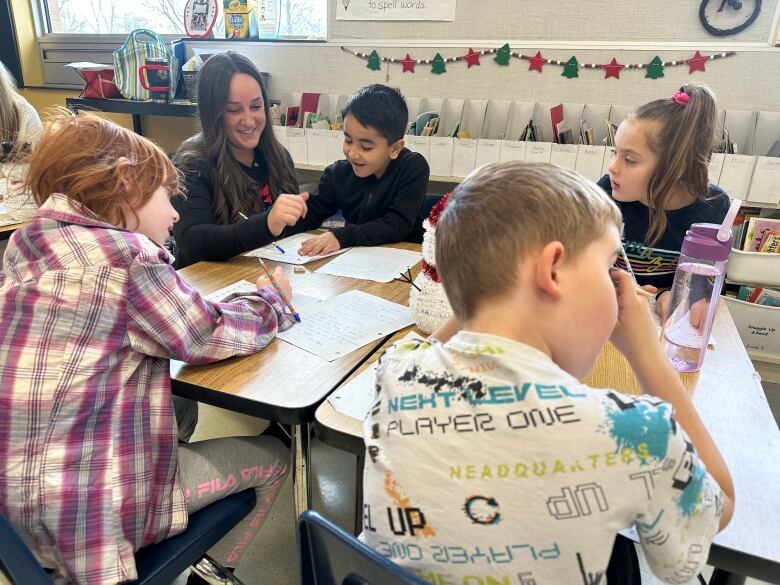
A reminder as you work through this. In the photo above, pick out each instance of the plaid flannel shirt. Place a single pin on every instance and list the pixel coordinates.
(90, 316)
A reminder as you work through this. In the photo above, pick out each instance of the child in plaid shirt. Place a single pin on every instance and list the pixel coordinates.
(91, 312)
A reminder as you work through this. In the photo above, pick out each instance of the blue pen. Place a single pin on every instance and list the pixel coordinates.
(277, 246)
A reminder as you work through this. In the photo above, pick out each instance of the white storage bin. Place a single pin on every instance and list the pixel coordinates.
(758, 327)
(754, 268)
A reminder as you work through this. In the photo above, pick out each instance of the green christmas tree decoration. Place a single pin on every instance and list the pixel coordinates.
(373, 61)
(502, 56)
(438, 65)
(571, 69)
(655, 68)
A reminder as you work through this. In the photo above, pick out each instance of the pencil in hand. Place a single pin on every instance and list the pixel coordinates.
(638, 289)
(275, 284)
(275, 245)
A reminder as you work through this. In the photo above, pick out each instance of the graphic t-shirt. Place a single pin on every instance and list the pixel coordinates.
(656, 264)
(487, 463)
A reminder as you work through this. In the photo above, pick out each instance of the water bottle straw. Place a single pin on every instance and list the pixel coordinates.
(724, 233)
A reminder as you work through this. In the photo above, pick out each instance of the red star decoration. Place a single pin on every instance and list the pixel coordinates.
(537, 62)
(408, 64)
(472, 58)
(696, 63)
(613, 69)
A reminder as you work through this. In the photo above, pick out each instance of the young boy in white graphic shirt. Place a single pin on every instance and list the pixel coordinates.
(487, 460)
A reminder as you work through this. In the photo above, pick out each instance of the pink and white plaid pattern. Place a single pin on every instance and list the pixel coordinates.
(89, 317)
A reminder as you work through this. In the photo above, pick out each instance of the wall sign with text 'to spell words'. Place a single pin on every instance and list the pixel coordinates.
(199, 18)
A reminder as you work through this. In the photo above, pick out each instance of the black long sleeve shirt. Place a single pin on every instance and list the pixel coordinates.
(656, 264)
(377, 211)
(198, 235)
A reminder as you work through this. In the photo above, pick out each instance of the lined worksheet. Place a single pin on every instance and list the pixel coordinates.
(341, 324)
(376, 263)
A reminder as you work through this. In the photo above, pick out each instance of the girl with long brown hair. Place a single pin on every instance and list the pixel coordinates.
(19, 122)
(239, 180)
(658, 178)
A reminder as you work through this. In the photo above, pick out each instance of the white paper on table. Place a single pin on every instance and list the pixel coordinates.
(354, 398)
(242, 286)
(379, 264)
(290, 245)
(302, 303)
(339, 325)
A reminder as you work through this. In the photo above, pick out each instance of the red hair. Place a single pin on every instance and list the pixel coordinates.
(98, 165)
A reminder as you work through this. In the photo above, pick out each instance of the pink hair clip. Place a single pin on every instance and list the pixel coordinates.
(680, 98)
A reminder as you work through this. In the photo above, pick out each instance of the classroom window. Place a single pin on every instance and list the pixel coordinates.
(299, 19)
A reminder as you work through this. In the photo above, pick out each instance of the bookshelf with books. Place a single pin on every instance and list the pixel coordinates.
(753, 288)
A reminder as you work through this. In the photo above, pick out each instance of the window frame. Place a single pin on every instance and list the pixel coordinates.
(71, 47)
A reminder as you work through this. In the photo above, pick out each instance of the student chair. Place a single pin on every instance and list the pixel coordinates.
(158, 564)
(330, 556)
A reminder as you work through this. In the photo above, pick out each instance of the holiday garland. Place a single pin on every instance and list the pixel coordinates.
(571, 66)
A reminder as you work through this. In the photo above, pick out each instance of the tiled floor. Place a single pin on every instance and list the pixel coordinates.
(272, 557)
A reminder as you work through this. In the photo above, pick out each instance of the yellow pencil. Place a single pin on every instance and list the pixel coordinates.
(275, 284)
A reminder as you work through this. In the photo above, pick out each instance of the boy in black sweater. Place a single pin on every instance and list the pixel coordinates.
(381, 185)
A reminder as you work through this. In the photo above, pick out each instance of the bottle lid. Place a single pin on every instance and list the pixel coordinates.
(701, 241)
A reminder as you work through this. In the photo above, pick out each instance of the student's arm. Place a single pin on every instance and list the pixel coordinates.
(200, 237)
(167, 318)
(398, 221)
(636, 338)
(684, 503)
(320, 206)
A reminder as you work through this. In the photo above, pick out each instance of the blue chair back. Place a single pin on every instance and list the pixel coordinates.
(331, 556)
(18, 562)
(158, 564)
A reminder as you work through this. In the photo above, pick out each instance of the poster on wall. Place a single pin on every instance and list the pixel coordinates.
(395, 9)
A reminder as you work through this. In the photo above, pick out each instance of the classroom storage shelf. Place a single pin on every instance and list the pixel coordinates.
(758, 325)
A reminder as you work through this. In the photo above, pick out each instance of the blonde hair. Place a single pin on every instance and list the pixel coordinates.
(503, 211)
(10, 115)
(683, 142)
(98, 165)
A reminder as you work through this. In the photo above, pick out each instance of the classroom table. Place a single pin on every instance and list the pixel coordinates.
(282, 383)
(8, 229)
(729, 398)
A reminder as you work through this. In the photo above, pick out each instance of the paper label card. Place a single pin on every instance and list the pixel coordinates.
(334, 144)
(715, 167)
(765, 185)
(512, 150)
(736, 174)
(564, 155)
(464, 157)
(538, 151)
(419, 144)
(488, 151)
(296, 145)
(316, 151)
(589, 161)
(281, 134)
(441, 156)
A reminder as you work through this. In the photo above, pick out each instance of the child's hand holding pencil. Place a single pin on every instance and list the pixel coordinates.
(279, 281)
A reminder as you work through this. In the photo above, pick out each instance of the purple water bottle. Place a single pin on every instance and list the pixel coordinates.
(697, 285)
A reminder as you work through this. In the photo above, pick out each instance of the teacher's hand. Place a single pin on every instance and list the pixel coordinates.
(287, 210)
(322, 244)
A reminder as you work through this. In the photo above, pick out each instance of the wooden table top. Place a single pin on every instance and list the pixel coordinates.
(729, 398)
(282, 382)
